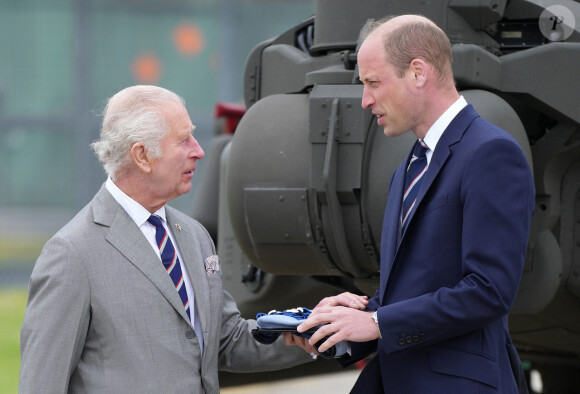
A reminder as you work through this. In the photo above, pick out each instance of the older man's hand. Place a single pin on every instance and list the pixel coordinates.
(296, 340)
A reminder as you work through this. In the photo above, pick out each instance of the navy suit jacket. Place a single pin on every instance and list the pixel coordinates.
(448, 283)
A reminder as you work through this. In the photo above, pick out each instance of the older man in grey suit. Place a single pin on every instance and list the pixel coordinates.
(103, 314)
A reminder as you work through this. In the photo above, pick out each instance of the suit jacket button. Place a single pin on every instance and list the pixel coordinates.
(409, 339)
(402, 341)
(189, 334)
(415, 338)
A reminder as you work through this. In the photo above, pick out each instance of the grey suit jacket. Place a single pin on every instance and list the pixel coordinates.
(103, 316)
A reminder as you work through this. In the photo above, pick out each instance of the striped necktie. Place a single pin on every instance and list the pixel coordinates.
(415, 171)
(170, 260)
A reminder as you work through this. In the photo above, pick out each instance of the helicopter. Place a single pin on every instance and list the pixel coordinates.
(294, 198)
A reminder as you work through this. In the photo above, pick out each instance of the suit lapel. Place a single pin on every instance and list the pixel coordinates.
(391, 241)
(439, 158)
(193, 261)
(450, 136)
(128, 239)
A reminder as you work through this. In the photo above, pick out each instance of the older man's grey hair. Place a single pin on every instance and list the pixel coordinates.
(132, 115)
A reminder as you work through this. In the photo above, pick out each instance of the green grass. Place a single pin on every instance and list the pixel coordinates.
(16, 250)
(12, 304)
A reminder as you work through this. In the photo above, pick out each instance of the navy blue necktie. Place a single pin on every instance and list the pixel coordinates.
(170, 260)
(415, 171)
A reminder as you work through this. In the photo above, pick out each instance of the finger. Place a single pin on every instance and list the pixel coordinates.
(334, 300)
(310, 348)
(305, 326)
(355, 301)
(332, 338)
(313, 320)
(358, 302)
(316, 312)
(330, 342)
(324, 301)
(320, 334)
(306, 346)
(345, 299)
(289, 339)
(324, 341)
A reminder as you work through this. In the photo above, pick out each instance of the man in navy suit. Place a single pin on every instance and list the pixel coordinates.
(452, 255)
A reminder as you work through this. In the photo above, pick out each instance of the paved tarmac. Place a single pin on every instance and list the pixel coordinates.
(335, 383)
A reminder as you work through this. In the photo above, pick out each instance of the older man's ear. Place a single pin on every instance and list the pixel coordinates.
(140, 157)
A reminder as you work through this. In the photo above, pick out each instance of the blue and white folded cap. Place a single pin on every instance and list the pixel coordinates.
(274, 323)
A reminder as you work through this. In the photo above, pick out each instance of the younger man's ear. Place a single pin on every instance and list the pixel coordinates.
(419, 70)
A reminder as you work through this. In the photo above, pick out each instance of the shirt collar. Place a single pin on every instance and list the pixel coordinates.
(135, 210)
(436, 131)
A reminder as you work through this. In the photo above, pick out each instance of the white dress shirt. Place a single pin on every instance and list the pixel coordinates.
(436, 130)
(140, 215)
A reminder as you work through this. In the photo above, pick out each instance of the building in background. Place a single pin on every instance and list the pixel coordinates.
(61, 59)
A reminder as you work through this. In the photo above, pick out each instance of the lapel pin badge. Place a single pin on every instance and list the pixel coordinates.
(178, 227)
